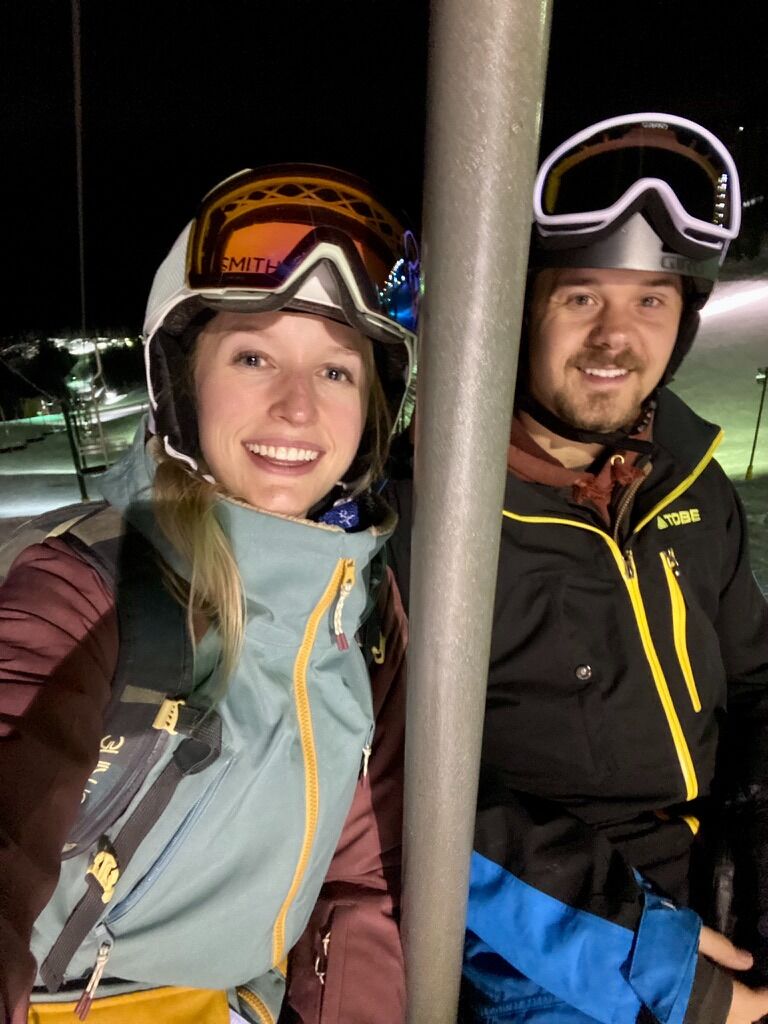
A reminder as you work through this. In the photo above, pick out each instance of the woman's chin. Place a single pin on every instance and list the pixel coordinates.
(278, 502)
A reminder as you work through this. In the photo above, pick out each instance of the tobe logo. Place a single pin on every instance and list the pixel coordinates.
(682, 518)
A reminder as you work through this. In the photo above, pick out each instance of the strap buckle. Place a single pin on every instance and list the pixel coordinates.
(167, 717)
(106, 871)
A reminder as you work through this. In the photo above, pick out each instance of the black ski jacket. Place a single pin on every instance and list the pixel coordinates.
(617, 659)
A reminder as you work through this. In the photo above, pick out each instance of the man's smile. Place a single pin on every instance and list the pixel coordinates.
(604, 372)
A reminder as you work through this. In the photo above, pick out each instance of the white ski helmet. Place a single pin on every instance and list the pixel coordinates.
(297, 237)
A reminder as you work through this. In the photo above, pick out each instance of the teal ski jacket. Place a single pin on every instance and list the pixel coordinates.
(225, 881)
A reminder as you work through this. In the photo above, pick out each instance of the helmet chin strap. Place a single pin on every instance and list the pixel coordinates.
(611, 440)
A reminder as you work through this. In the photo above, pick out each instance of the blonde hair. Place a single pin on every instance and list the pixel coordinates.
(184, 509)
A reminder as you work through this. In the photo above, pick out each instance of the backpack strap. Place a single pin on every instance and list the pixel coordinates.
(112, 858)
(152, 679)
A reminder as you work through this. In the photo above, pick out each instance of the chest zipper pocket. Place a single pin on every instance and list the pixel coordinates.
(677, 602)
(166, 855)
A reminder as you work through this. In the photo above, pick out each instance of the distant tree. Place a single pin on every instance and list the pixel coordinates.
(48, 370)
(123, 367)
(10, 391)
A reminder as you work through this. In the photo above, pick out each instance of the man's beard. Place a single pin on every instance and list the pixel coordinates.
(601, 414)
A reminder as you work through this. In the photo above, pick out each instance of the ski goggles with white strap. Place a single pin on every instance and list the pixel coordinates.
(260, 234)
(674, 171)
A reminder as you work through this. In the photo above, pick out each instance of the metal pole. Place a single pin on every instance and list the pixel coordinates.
(487, 70)
(78, 109)
(77, 80)
(99, 379)
(66, 412)
(762, 375)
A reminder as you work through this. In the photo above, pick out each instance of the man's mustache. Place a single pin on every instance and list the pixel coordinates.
(597, 359)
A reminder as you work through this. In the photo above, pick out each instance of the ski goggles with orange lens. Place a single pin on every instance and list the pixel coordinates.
(672, 169)
(260, 234)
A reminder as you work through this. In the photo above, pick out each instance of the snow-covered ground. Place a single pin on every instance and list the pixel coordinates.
(718, 381)
(38, 475)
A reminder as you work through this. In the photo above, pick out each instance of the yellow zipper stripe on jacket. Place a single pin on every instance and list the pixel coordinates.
(676, 597)
(679, 628)
(683, 485)
(256, 1005)
(628, 573)
(304, 716)
(678, 736)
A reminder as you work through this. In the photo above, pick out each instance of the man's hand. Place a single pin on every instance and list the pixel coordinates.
(716, 947)
(748, 1006)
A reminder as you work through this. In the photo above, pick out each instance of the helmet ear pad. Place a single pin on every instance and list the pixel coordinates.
(690, 321)
(173, 387)
(171, 372)
(689, 325)
(389, 368)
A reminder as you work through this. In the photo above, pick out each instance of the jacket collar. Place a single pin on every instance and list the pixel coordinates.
(682, 439)
(283, 561)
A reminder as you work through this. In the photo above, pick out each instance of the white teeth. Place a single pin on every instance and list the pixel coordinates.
(605, 372)
(283, 454)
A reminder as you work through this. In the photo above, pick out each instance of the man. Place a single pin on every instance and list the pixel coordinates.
(626, 617)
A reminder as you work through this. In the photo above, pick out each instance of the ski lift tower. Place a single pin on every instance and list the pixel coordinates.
(486, 82)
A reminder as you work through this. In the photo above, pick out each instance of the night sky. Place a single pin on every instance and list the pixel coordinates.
(177, 96)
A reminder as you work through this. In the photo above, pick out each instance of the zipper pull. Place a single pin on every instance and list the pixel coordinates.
(367, 751)
(672, 561)
(345, 589)
(86, 999)
(629, 562)
(319, 974)
(321, 966)
(379, 653)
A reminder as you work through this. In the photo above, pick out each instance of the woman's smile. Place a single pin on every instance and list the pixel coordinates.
(284, 457)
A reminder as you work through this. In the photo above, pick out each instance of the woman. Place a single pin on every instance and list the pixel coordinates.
(279, 353)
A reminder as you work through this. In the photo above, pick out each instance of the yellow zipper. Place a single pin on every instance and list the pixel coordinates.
(678, 736)
(304, 716)
(258, 1006)
(672, 571)
(345, 589)
(628, 572)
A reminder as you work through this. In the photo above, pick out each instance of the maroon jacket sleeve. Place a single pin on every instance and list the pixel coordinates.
(347, 967)
(58, 649)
